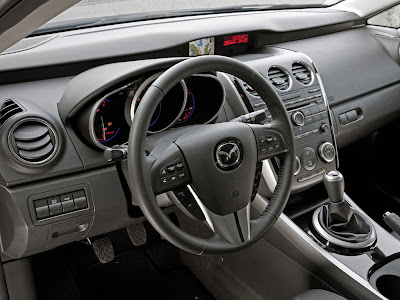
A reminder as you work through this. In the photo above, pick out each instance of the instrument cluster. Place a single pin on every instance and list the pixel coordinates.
(197, 99)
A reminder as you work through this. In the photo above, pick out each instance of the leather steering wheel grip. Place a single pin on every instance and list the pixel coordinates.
(139, 164)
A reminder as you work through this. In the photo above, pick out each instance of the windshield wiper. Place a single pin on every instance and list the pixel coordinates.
(126, 18)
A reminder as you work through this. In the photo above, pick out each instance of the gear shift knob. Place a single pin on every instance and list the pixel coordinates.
(334, 184)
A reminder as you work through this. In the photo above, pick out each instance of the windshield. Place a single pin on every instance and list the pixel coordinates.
(100, 12)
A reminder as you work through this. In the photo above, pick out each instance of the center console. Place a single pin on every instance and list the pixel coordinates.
(332, 237)
(309, 114)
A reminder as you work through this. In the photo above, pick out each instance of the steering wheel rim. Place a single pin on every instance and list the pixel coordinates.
(139, 164)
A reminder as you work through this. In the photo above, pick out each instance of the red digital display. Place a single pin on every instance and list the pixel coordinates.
(236, 39)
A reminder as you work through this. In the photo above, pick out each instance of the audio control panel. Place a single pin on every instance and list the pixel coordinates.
(314, 142)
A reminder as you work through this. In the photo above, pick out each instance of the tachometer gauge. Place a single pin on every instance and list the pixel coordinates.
(109, 126)
(170, 108)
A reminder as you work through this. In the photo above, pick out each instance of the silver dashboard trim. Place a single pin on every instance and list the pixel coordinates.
(325, 98)
(93, 113)
(139, 91)
(234, 89)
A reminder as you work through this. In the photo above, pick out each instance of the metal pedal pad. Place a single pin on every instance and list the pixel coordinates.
(103, 249)
(137, 233)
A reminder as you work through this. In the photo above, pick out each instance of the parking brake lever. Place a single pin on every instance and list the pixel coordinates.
(393, 221)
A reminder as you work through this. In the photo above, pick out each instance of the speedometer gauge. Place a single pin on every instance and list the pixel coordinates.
(109, 126)
(170, 108)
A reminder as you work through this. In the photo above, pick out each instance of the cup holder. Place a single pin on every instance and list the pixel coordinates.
(389, 286)
(386, 279)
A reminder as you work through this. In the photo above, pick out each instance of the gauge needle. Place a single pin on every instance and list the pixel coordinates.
(104, 131)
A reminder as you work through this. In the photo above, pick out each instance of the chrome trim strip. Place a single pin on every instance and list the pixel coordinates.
(330, 116)
(269, 174)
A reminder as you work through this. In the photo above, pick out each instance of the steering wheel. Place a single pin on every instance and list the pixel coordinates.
(218, 163)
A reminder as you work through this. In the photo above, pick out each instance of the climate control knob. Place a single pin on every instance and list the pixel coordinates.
(327, 152)
(298, 118)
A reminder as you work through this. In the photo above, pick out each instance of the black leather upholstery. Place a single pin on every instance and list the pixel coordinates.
(345, 223)
(318, 295)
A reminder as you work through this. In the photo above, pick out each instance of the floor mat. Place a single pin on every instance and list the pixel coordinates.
(131, 276)
(152, 271)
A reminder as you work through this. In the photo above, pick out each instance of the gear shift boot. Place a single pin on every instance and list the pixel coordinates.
(338, 223)
(345, 223)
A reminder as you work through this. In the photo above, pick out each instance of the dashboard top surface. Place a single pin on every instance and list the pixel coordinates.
(151, 36)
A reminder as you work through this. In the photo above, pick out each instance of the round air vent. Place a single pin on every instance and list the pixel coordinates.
(279, 78)
(33, 141)
(302, 73)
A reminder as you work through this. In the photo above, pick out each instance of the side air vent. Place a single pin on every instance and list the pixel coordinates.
(33, 141)
(279, 78)
(302, 73)
(250, 90)
(9, 108)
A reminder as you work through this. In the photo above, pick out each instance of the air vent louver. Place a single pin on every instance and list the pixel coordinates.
(302, 73)
(9, 108)
(33, 141)
(279, 78)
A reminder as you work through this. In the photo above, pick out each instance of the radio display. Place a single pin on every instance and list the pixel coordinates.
(230, 40)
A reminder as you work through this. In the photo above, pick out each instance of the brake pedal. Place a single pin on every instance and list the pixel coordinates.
(103, 249)
(137, 233)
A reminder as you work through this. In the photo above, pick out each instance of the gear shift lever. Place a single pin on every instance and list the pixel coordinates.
(334, 184)
(338, 222)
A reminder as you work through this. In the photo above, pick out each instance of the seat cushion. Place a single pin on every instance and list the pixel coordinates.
(318, 294)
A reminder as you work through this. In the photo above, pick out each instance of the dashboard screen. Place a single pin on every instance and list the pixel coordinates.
(204, 46)
(236, 39)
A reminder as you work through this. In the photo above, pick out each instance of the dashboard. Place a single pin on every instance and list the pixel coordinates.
(68, 97)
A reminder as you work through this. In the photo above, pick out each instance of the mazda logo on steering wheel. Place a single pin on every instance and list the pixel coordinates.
(228, 155)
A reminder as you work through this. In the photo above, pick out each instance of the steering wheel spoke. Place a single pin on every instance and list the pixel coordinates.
(233, 227)
(270, 142)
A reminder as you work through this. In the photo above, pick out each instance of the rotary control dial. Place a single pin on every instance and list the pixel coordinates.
(327, 152)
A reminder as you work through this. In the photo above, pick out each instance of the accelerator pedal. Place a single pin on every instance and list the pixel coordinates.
(137, 234)
(103, 249)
